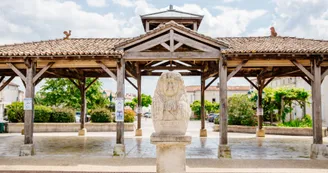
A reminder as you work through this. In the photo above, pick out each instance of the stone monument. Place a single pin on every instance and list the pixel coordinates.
(171, 113)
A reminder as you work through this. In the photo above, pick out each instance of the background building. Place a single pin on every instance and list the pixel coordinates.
(9, 94)
(212, 93)
(298, 82)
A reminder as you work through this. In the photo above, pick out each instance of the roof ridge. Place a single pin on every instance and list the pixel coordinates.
(159, 12)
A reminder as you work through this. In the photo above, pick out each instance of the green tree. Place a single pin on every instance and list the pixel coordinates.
(146, 100)
(241, 110)
(62, 92)
(131, 104)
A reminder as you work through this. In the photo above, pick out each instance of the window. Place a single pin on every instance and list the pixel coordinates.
(213, 99)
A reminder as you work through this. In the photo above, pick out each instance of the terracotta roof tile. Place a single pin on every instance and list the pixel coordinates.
(274, 45)
(73, 46)
(194, 88)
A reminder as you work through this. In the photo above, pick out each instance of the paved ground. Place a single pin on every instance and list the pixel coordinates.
(67, 151)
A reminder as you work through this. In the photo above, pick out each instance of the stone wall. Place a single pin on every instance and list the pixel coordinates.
(296, 131)
(69, 127)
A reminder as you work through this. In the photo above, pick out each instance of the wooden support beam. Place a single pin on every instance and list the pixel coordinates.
(77, 85)
(23, 82)
(236, 70)
(120, 95)
(83, 92)
(306, 80)
(192, 43)
(251, 83)
(2, 78)
(15, 69)
(29, 94)
(259, 111)
(267, 82)
(134, 86)
(171, 40)
(317, 107)
(92, 82)
(150, 44)
(177, 46)
(38, 81)
(44, 69)
(223, 74)
(324, 74)
(165, 46)
(110, 73)
(202, 101)
(6, 83)
(303, 69)
(209, 84)
(139, 112)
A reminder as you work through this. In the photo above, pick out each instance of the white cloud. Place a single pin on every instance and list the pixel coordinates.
(230, 22)
(124, 3)
(40, 20)
(300, 18)
(97, 3)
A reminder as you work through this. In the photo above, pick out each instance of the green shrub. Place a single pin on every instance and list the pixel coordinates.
(62, 115)
(129, 116)
(42, 114)
(217, 120)
(241, 110)
(101, 115)
(304, 122)
(15, 112)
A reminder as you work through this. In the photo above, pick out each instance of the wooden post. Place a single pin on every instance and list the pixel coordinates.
(224, 149)
(29, 94)
(139, 111)
(203, 132)
(119, 148)
(259, 111)
(120, 94)
(223, 102)
(316, 97)
(83, 103)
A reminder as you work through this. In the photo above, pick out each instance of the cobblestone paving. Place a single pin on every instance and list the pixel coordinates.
(243, 146)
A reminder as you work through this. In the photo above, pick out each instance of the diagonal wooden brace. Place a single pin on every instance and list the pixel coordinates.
(15, 69)
(41, 72)
(236, 70)
(303, 69)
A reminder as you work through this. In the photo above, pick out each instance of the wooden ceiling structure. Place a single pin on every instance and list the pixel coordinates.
(170, 46)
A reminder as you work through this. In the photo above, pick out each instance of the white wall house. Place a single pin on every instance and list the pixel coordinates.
(9, 94)
(212, 93)
(298, 82)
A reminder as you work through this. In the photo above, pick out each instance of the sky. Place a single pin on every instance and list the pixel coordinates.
(35, 20)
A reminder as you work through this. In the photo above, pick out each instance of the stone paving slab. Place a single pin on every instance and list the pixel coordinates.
(129, 165)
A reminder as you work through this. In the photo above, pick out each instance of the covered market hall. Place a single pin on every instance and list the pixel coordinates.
(171, 42)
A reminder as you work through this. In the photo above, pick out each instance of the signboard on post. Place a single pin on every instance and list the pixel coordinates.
(119, 110)
(260, 111)
(28, 104)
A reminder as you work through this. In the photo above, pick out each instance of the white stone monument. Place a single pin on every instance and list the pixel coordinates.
(171, 113)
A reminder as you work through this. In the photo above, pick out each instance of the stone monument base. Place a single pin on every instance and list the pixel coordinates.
(319, 151)
(224, 151)
(260, 132)
(203, 133)
(26, 150)
(139, 132)
(83, 132)
(170, 152)
(119, 150)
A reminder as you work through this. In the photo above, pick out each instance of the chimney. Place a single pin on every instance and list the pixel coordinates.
(171, 7)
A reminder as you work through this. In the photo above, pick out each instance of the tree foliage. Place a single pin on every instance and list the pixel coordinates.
(62, 92)
(241, 110)
(210, 107)
(274, 97)
(146, 100)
